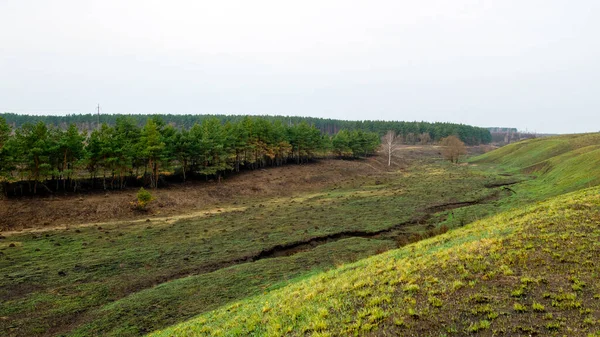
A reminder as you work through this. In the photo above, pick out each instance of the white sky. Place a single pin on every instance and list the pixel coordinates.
(531, 64)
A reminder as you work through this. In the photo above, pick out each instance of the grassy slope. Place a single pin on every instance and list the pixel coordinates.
(154, 307)
(520, 272)
(526, 271)
(562, 164)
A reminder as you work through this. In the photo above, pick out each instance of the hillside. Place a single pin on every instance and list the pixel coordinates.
(560, 164)
(531, 270)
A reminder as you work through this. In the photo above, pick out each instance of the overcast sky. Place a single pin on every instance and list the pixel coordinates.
(531, 64)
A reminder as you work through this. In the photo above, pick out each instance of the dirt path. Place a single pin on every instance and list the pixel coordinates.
(165, 220)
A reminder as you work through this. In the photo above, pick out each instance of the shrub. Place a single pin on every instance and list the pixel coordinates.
(143, 199)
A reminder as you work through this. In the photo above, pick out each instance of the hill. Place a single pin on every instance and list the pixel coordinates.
(527, 271)
(524, 272)
(560, 164)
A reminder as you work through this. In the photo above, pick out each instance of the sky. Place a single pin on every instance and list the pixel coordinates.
(530, 64)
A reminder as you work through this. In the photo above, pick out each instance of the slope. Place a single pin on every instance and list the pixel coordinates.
(560, 164)
(523, 272)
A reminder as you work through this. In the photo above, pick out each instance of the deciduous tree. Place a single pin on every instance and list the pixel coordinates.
(453, 148)
(389, 143)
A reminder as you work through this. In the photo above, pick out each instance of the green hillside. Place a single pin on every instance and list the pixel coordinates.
(559, 164)
(532, 151)
(532, 270)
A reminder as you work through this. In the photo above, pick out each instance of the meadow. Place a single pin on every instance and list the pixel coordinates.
(126, 278)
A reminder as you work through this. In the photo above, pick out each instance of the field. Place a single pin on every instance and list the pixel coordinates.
(207, 244)
(470, 249)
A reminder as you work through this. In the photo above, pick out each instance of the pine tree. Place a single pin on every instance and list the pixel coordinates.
(152, 149)
(31, 153)
(69, 152)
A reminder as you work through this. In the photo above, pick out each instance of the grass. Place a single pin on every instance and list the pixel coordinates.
(527, 270)
(152, 308)
(127, 279)
(560, 164)
(474, 254)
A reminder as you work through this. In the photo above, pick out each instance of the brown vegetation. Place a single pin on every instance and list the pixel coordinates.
(453, 148)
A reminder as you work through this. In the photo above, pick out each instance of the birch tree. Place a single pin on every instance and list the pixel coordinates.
(389, 141)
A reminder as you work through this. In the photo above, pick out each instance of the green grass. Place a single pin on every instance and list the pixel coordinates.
(369, 296)
(115, 280)
(560, 164)
(530, 152)
(152, 308)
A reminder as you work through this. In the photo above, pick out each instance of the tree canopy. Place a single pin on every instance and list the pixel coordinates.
(410, 132)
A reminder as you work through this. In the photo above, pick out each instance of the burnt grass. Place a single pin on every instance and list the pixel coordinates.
(64, 280)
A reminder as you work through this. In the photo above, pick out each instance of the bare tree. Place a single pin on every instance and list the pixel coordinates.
(389, 141)
(453, 148)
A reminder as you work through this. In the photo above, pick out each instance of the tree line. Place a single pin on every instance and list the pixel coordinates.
(38, 157)
(409, 132)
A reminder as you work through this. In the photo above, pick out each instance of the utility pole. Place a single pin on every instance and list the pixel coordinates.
(98, 108)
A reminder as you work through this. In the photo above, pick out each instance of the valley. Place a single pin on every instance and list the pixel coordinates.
(145, 272)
